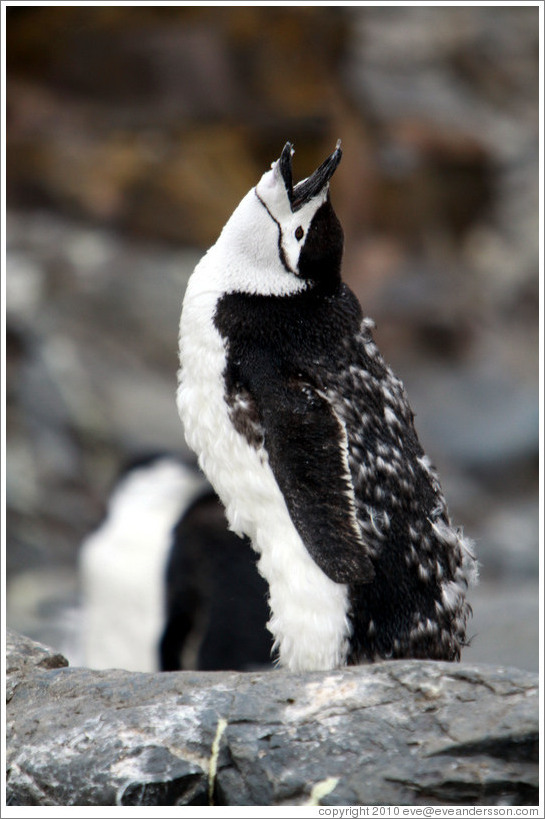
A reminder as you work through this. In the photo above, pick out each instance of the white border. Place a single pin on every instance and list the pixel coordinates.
(241, 811)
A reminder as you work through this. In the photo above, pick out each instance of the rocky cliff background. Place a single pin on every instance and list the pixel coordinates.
(132, 132)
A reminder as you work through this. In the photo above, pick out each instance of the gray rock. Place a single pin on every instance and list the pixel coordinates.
(470, 428)
(394, 733)
(505, 624)
(24, 655)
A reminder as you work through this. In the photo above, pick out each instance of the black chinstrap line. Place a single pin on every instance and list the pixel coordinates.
(281, 252)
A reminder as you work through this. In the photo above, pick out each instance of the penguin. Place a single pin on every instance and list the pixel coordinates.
(121, 563)
(165, 586)
(216, 601)
(308, 438)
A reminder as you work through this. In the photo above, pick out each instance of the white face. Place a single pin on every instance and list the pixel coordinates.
(258, 249)
(292, 227)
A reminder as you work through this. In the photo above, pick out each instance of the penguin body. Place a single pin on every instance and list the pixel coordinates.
(165, 585)
(122, 563)
(308, 439)
(216, 601)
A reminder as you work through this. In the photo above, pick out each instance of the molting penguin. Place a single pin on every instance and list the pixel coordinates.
(308, 438)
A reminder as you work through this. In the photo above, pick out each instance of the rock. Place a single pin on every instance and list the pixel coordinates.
(23, 655)
(159, 122)
(93, 322)
(470, 428)
(505, 623)
(394, 733)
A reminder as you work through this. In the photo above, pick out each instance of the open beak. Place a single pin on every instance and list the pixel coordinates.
(306, 190)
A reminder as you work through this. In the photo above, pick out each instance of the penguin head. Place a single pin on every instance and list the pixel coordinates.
(284, 238)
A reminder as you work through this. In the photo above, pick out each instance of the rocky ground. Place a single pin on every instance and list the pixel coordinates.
(130, 142)
(395, 733)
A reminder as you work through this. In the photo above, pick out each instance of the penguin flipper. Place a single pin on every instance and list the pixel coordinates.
(307, 448)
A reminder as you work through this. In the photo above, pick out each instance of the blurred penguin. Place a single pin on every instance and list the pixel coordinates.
(164, 584)
(216, 599)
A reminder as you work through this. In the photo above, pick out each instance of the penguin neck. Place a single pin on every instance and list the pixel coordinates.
(324, 287)
(238, 268)
(321, 255)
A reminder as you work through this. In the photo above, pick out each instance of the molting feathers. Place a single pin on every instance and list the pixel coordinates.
(308, 438)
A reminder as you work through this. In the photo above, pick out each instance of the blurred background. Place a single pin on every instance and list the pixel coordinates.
(133, 132)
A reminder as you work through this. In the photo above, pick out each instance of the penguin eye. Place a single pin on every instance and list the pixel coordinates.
(299, 233)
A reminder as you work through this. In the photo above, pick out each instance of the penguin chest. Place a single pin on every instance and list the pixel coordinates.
(309, 611)
(236, 469)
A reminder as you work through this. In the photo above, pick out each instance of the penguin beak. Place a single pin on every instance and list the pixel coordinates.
(309, 188)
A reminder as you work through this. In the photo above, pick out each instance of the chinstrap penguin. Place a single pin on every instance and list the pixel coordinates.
(216, 601)
(165, 586)
(122, 562)
(308, 438)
